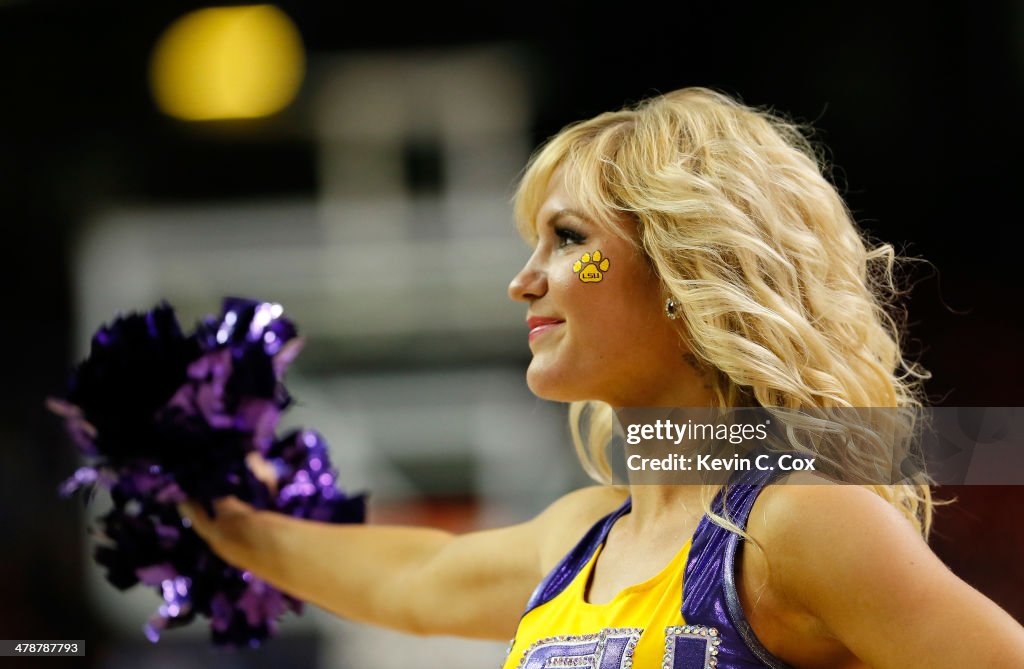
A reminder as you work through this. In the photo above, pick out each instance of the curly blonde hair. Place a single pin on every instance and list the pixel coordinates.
(780, 295)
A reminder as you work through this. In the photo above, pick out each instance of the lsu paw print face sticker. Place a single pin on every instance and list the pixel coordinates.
(591, 268)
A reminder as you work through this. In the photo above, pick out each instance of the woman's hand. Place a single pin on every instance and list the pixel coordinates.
(225, 533)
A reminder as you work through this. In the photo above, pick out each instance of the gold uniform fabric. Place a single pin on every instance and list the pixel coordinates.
(646, 608)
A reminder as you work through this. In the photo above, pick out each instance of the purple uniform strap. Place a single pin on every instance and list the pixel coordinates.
(569, 566)
(709, 593)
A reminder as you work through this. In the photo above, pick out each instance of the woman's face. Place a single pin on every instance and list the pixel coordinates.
(597, 323)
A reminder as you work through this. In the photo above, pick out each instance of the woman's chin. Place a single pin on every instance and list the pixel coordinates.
(550, 384)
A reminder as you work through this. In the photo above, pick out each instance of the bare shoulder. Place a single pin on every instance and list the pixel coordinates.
(843, 563)
(562, 524)
(809, 512)
(811, 523)
(808, 533)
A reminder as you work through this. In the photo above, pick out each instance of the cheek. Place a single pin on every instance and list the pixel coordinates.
(607, 312)
(574, 294)
(616, 297)
(586, 302)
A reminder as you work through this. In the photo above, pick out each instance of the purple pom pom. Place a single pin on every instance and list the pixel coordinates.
(162, 417)
(135, 365)
(307, 481)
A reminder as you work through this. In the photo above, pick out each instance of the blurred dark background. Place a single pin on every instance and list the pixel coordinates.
(920, 108)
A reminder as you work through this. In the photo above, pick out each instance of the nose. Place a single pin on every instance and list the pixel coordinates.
(530, 283)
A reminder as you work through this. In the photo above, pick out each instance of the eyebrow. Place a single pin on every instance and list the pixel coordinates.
(566, 213)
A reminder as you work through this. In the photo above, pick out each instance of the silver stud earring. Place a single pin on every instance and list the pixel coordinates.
(671, 309)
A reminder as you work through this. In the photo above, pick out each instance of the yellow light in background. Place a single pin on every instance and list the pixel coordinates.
(227, 63)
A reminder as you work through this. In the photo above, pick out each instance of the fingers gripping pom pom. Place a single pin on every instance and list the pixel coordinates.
(163, 417)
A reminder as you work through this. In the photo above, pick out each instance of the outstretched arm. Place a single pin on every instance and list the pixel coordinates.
(414, 579)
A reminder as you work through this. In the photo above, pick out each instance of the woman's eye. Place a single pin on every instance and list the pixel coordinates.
(567, 236)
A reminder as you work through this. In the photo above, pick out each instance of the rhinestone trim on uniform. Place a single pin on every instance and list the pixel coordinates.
(591, 661)
(700, 632)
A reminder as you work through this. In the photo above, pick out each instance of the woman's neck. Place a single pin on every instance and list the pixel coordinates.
(657, 507)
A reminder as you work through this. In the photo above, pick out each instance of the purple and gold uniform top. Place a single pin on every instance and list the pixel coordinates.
(688, 616)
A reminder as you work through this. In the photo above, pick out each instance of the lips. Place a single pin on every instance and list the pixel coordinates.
(539, 325)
